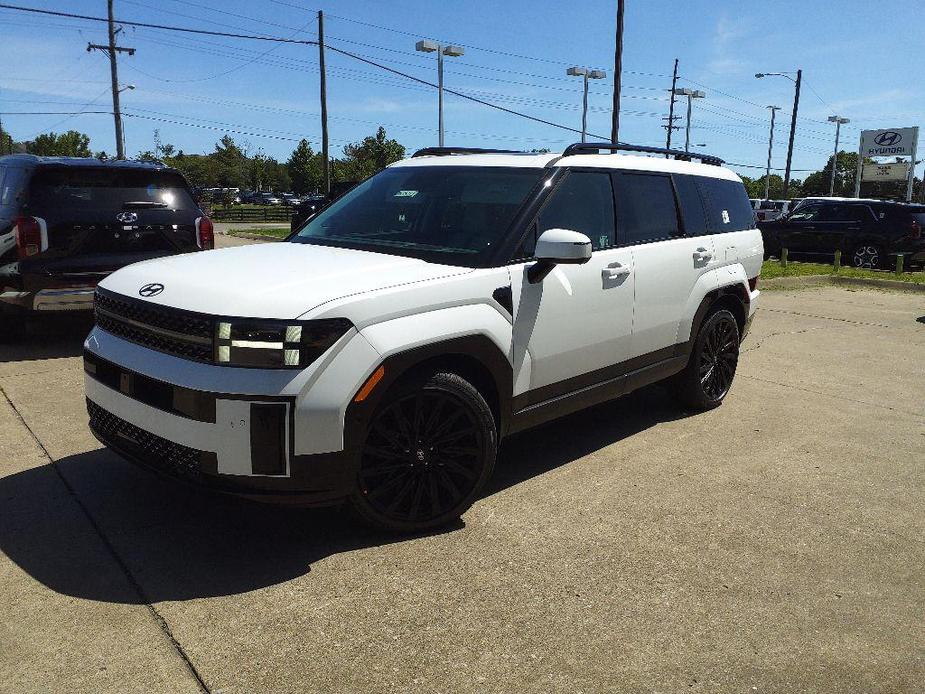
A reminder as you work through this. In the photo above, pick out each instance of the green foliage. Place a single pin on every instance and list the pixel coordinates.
(305, 168)
(363, 159)
(69, 144)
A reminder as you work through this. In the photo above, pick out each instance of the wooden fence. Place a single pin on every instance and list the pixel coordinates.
(265, 213)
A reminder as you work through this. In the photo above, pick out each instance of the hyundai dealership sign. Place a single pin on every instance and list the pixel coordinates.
(895, 142)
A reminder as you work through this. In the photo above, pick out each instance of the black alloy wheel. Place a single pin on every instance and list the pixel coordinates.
(428, 452)
(708, 376)
(719, 357)
(867, 255)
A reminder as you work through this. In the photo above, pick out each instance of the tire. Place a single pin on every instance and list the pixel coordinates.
(429, 450)
(867, 255)
(708, 376)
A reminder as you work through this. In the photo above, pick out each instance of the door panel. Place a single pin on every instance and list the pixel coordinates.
(578, 319)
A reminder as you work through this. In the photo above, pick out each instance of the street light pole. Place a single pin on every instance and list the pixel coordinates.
(428, 46)
(586, 74)
(691, 94)
(767, 172)
(793, 118)
(838, 120)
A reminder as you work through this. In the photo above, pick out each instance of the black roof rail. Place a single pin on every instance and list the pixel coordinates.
(445, 151)
(680, 155)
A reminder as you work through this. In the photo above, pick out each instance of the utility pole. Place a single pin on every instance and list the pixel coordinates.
(793, 130)
(767, 171)
(838, 120)
(617, 73)
(325, 165)
(112, 50)
(671, 126)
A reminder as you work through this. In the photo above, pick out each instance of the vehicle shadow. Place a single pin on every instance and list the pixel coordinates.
(180, 543)
(47, 337)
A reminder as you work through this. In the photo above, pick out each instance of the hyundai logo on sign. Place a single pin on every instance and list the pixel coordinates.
(888, 139)
(152, 289)
(127, 217)
(889, 142)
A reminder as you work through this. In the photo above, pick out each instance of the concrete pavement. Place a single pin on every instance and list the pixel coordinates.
(772, 545)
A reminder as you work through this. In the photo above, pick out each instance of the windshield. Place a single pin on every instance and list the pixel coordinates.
(86, 188)
(445, 214)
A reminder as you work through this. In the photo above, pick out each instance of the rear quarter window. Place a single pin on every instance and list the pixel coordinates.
(727, 205)
(12, 182)
(692, 208)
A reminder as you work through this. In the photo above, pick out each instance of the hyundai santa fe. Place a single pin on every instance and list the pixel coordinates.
(454, 298)
(67, 222)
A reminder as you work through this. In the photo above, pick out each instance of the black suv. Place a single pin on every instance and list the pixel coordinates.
(66, 223)
(869, 233)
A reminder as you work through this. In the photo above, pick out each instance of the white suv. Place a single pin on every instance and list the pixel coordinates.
(450, 300)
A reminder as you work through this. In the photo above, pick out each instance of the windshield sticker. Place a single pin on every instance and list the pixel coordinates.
(406, 194)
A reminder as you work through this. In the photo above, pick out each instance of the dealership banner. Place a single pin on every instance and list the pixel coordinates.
(892, 142)
(885, 172)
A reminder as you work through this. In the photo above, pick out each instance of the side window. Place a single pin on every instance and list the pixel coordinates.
(856, 213)
(646, 208)
(806, 213)
(727, 205)
(692, 210)
(11, 186)
(583, 202)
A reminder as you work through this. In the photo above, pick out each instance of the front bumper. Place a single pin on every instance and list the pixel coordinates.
(241, 446)
(50, 300)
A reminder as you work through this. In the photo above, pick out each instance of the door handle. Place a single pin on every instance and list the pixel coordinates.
(702, 255)
(614, 271)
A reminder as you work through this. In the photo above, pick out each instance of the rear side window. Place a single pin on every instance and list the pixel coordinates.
(646, 208)
(110, 189)
(692, 209)
(728, 208)
(12, 180)
(583, 203)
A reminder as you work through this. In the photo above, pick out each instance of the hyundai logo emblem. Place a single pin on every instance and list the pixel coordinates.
(888, 139)
(127, 217)
(150, 290)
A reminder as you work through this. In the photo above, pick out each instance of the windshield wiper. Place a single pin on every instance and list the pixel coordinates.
(142, 204)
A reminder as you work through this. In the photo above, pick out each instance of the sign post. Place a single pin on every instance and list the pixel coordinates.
(896, 142)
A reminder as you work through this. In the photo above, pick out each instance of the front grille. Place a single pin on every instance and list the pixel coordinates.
(166, 329)
(169, 457)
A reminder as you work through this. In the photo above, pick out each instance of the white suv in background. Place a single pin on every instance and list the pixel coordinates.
(450, 300)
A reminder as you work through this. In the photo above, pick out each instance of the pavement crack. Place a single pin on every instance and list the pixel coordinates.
(130, 577)
(916, 415)
(760, 341)
(831, 318)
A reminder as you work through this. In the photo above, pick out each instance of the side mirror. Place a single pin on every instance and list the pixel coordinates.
(558, 247)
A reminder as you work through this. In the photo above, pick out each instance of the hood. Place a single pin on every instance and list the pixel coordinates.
(270, 280)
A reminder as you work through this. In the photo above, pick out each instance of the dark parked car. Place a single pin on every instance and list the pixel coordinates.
(309, 206)
(869, 233)
(66, 223)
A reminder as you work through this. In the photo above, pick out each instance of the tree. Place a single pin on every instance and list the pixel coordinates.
(817, 183)
(363, 159)
(304, 167)
(69, 144)
(230, 163)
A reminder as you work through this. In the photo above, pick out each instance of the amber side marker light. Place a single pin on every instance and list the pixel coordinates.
(371, 383)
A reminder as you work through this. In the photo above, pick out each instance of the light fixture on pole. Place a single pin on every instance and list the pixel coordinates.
(793, 117)
(587, 74)
(428, 46)
(691, 94)
(767, 171)
(839, 121)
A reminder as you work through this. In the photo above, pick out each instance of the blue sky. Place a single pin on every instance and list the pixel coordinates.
(858, 61)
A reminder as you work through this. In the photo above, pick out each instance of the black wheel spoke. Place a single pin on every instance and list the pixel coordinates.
(423, 456)
(719, 354)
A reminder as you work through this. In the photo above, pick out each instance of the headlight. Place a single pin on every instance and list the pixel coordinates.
(272, 344)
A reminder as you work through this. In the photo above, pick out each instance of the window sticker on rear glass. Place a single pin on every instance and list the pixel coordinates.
(725, 216)
(406, 194)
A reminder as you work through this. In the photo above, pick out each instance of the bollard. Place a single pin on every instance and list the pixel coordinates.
(899, 263)
(783, 257)
(837, 261)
